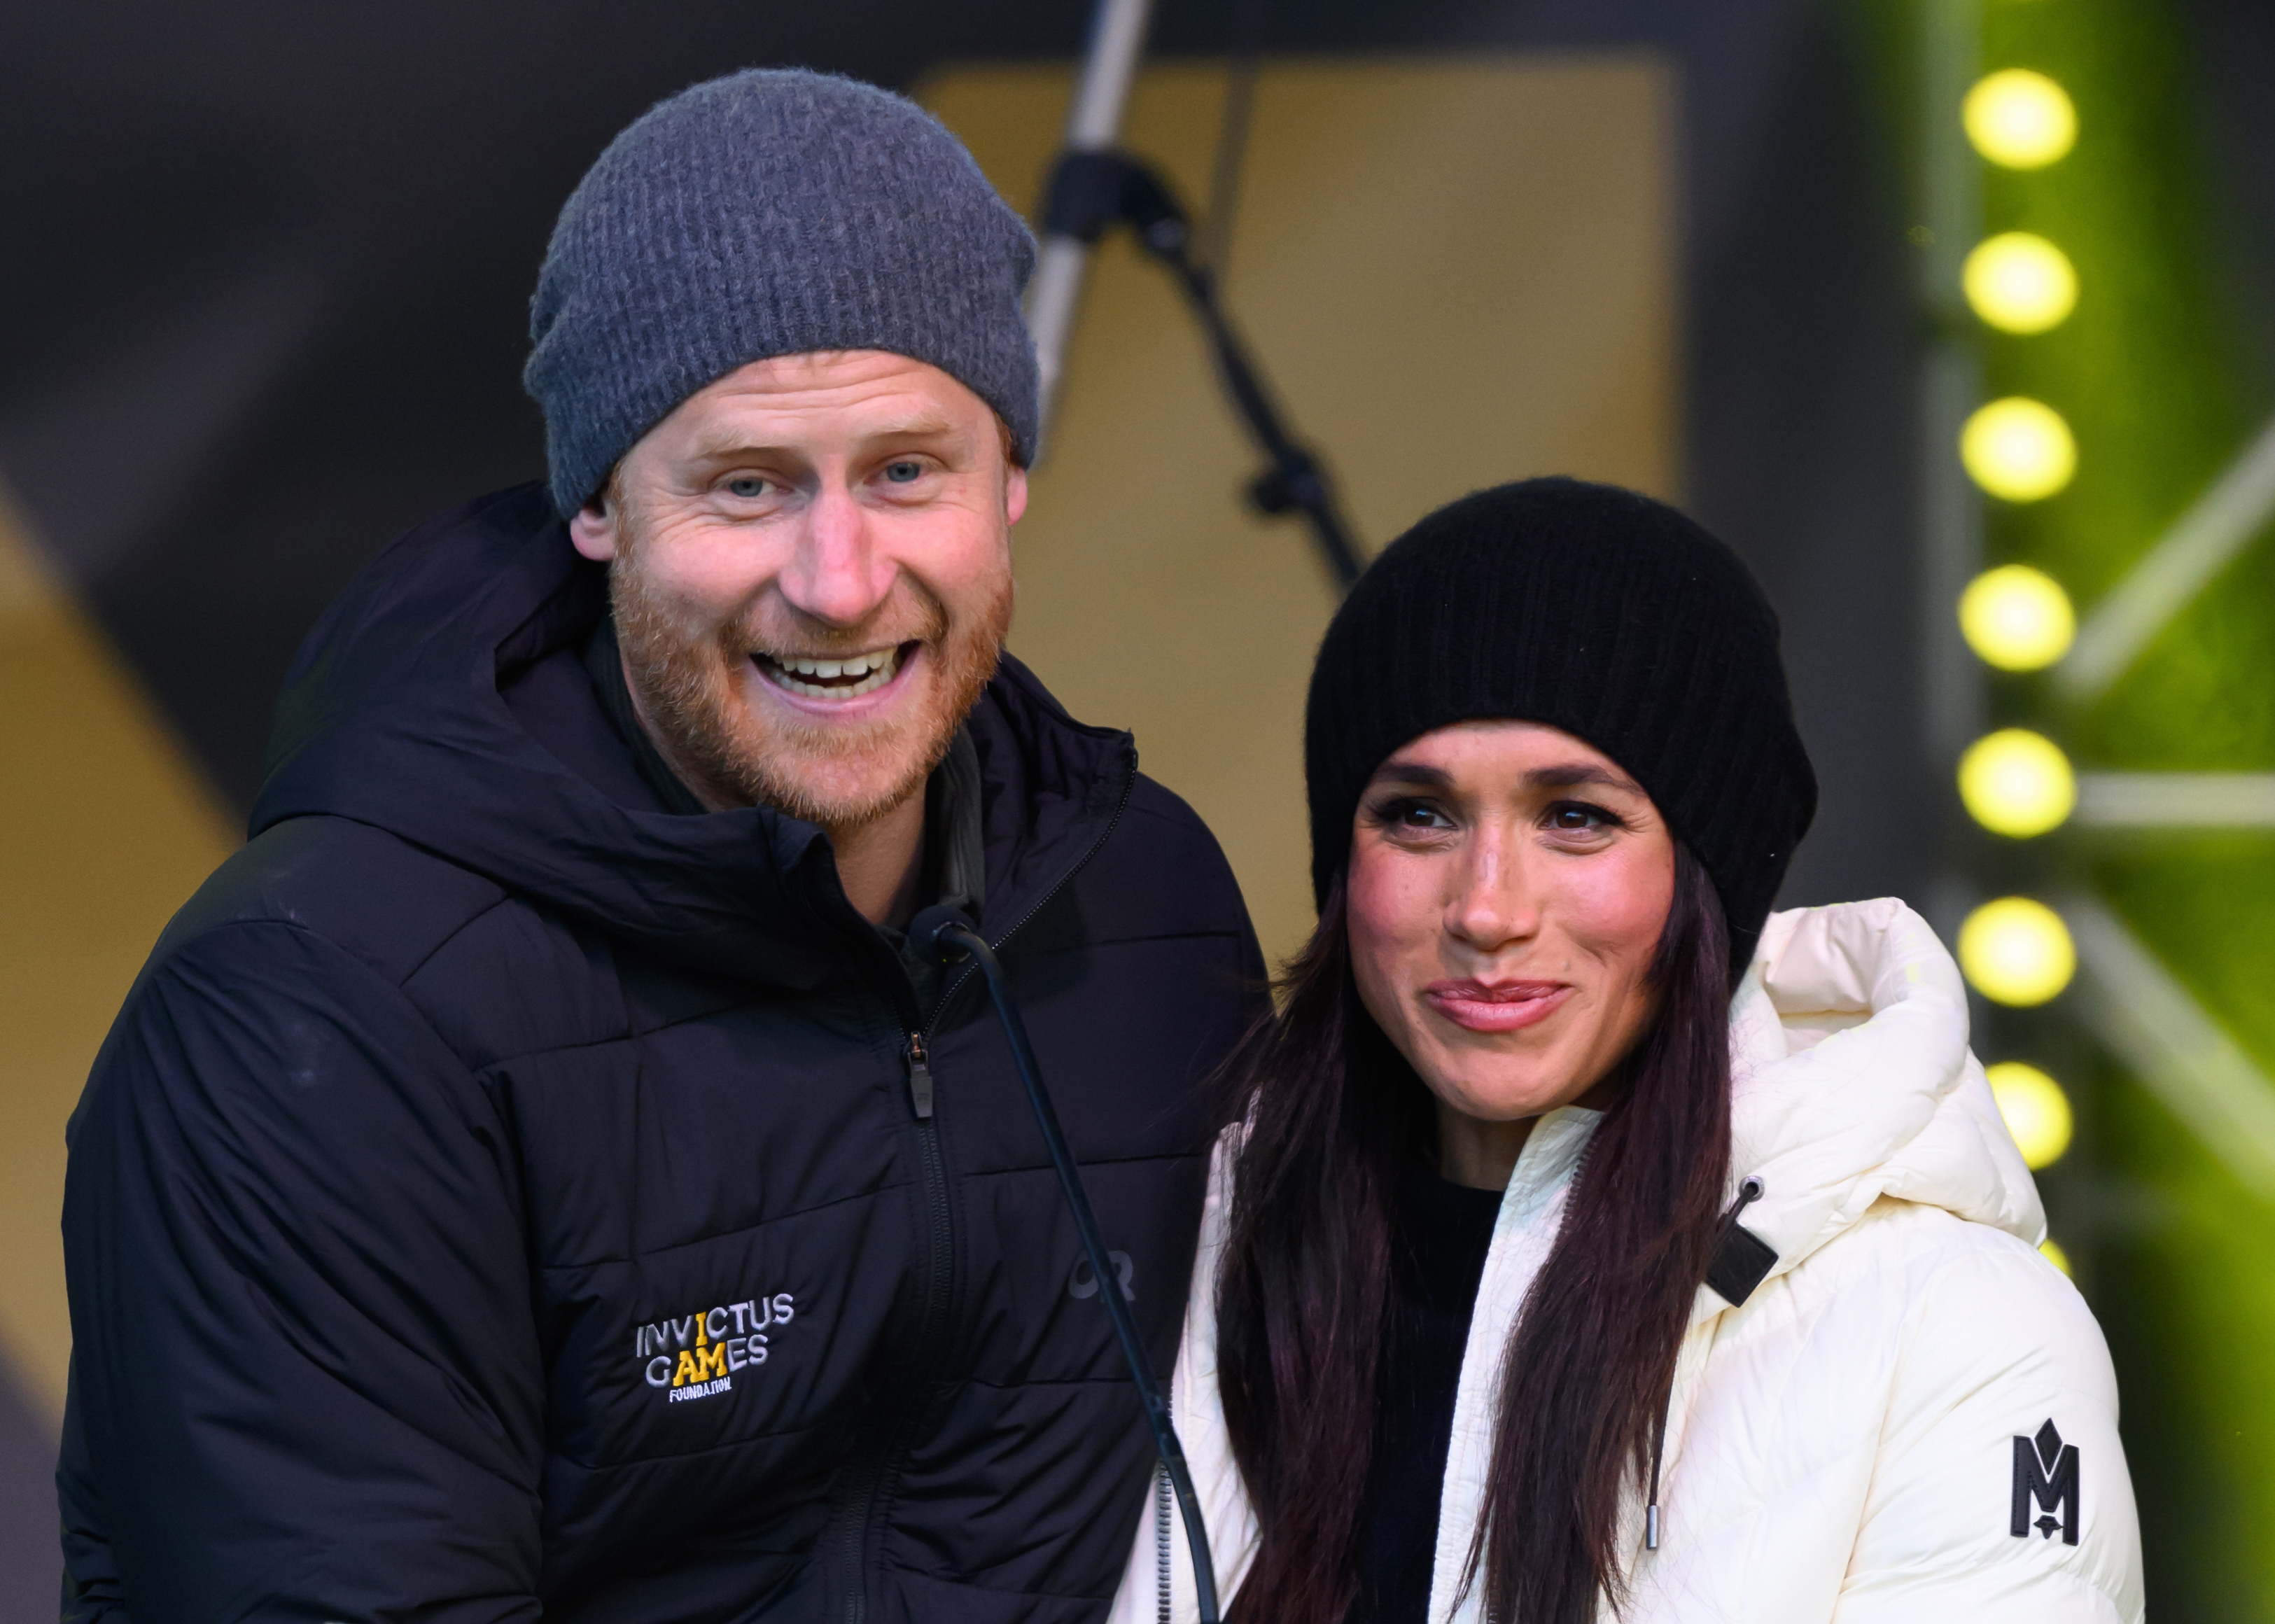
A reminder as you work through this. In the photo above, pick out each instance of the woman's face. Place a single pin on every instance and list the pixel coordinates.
(1507, 891)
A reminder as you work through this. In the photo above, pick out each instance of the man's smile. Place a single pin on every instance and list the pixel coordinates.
(845, 677)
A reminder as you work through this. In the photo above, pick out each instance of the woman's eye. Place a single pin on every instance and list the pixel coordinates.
(1415, 815)
(748, 486)
(903, 472)
(1577, 818)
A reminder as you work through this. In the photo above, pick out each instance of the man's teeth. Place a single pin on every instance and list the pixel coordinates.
(834, 679)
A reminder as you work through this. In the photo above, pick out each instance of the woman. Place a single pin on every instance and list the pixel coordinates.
(1542, 1276)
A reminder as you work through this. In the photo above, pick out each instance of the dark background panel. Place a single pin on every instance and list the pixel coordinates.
(283, 256)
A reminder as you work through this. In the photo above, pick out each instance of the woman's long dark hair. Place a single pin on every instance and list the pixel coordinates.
(1332, 1113)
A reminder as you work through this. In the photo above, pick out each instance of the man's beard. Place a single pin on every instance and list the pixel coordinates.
(688, 681)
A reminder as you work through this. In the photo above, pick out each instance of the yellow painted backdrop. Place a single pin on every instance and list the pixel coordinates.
(1457, 272)
(105, 829)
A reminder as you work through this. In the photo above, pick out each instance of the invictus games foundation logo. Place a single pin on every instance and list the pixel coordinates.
(700, 1354)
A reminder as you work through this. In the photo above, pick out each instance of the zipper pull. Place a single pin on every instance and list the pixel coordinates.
(919, 1078)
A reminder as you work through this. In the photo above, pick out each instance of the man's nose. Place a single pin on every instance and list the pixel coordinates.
(836, 573)
(1496, 902)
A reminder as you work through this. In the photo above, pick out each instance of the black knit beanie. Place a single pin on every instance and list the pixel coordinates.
(1595, 610)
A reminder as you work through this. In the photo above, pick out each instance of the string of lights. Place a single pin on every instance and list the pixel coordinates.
(2016, 782)
(2098, 525)
(2020, 951)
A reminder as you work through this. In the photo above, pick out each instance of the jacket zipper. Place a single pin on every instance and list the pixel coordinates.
(848, 1536)
(1164, 1574)
(1749, 1192)
(919, 1078)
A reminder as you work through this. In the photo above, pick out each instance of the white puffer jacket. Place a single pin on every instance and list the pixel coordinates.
(1860, 1439)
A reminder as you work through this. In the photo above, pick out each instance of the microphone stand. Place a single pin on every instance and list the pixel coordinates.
(1117, 41)
(1094, 187)
(1091, 192)
(945, 934)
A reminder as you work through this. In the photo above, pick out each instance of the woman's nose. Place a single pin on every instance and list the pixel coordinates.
(1496, 904)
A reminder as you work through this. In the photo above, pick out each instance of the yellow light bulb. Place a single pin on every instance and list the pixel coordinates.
(2016, 951)
(2017, 618)
(2019, 120)
(2016, 782)
(2018, 448)
(2019, 282)
(2036, 1111)
(2055, 1255)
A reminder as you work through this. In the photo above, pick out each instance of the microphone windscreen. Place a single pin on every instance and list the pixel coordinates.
(924, 932)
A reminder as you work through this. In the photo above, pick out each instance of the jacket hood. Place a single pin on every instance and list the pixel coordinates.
(1851, 1080)
(394, 714)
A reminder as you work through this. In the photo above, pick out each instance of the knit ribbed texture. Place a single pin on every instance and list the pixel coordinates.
(771, 212)
(1595, 610)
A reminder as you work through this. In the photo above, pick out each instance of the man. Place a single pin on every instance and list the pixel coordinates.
(534, 1176)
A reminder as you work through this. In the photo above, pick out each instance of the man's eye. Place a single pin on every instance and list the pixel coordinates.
(903, 472)
(749, 486)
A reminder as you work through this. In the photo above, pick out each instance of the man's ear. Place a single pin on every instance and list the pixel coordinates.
(593, 529)
(1015, 494)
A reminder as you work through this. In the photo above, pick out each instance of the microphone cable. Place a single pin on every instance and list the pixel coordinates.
(945, 935)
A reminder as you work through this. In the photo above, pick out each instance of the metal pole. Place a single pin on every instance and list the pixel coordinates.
(1117, 43)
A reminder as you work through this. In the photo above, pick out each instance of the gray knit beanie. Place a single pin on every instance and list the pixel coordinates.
(771, 212)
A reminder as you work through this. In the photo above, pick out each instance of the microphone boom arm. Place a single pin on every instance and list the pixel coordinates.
(1090, 192)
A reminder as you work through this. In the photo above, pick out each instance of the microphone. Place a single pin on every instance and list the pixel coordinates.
(947, 936)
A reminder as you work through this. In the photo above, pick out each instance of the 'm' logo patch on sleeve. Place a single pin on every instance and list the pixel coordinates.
(2046, 1472)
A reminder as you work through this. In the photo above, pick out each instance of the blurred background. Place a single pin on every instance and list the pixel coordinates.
(1956, 317)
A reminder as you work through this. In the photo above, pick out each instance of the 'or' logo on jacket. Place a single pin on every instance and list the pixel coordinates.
(700, 1354)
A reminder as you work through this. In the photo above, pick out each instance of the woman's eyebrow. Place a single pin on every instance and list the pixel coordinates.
(1574, 774)
(1396, 772)
(1565, 776)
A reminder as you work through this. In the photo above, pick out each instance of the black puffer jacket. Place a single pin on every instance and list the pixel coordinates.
(495, 1199)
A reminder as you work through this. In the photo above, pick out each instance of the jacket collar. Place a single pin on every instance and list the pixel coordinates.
(392, 715)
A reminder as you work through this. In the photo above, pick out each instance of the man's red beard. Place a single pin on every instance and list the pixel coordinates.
(836, 774)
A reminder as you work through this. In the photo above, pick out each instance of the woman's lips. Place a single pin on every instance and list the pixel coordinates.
(1497, 1006)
